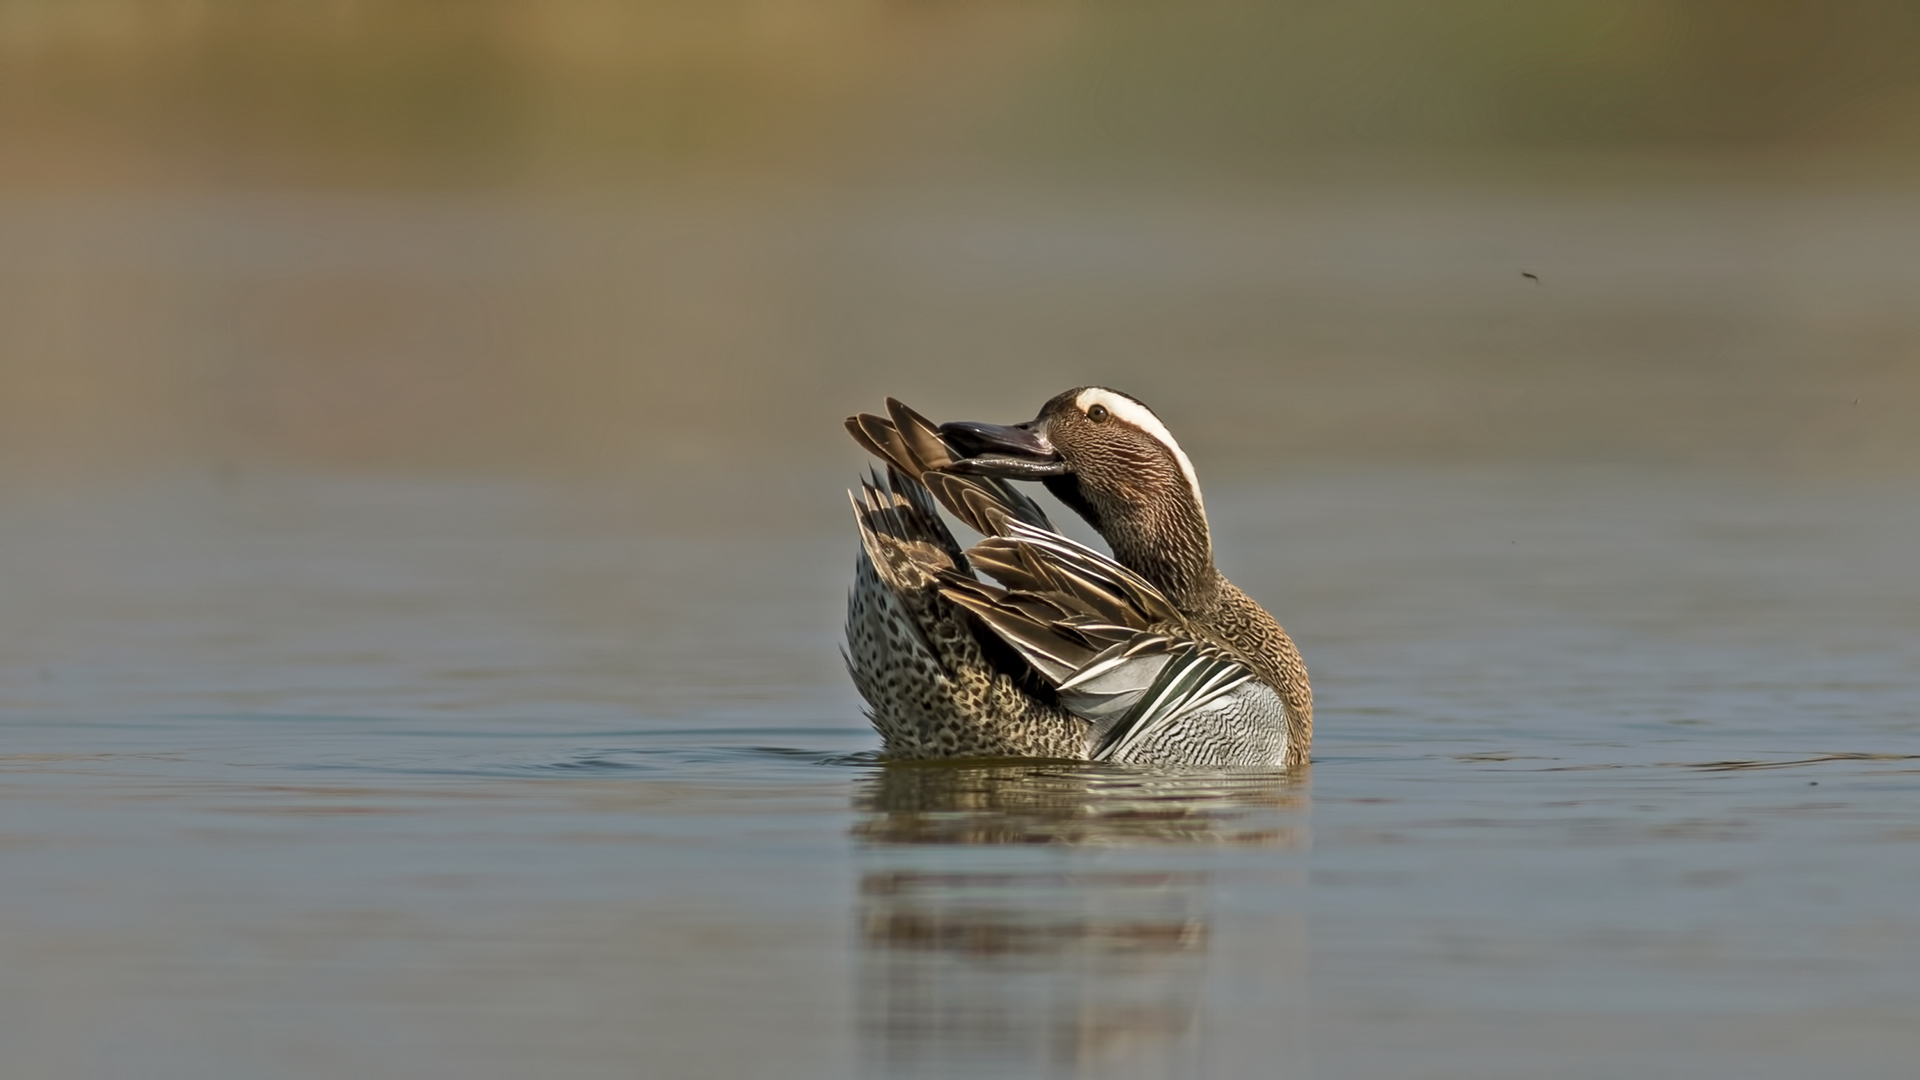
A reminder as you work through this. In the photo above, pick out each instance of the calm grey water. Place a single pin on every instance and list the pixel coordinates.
(1618, 773)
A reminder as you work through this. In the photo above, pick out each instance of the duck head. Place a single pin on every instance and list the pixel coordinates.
(1108, 457)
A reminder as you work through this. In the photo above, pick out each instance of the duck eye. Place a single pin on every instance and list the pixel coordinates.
(1097, 414)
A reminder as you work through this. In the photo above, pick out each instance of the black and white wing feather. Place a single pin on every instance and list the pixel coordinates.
(912, 444)
(1119, 655)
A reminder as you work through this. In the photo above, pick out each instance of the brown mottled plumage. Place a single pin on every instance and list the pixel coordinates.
(934, 687)
(1152, 656)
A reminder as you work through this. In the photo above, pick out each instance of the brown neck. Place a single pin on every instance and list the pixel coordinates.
(1173, 550)
(1177, 565)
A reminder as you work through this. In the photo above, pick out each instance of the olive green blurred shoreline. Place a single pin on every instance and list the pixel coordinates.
(486, 92)
(589, 235)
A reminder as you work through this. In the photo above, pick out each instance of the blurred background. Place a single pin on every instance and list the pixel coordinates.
(423, 551)
(607, 235)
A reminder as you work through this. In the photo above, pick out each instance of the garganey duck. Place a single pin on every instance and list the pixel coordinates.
(1149, 657)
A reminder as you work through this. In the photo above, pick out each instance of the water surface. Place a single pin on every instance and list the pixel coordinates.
(1617, 773)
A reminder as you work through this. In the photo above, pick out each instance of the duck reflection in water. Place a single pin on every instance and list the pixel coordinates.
(1050, 919)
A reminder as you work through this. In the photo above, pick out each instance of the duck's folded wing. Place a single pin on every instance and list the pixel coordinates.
(1054, 632)
(1110, 644)
(1036, 559)
(1148, 697)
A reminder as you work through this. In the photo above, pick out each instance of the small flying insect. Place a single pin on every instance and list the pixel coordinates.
(1535, 278)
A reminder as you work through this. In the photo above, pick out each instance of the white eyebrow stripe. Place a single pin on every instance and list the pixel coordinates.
(1142, 417)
